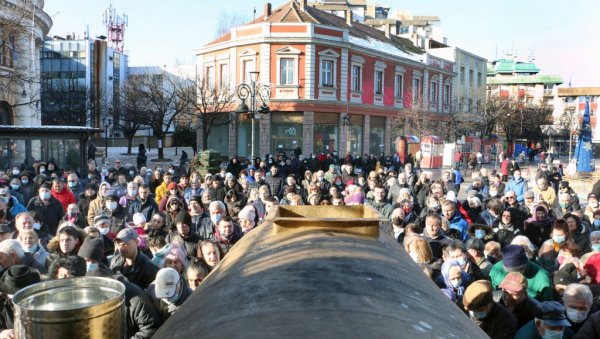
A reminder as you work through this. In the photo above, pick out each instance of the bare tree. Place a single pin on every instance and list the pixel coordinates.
(156, 100)
(227, 20)
(416, 118)
(207, 101)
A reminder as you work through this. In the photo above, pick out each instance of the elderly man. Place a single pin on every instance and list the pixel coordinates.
(578, 299)
(544, 192)
(168, 292)
(518, 185)
(515, 298)
(550, 322)
(130, 261)
(494, 319)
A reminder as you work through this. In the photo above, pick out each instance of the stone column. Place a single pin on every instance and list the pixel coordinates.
(342, 143)
(365, 135)
(308, 133)
(387, 137)
(264, 134)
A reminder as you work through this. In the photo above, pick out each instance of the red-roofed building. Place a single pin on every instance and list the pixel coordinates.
(323, 69)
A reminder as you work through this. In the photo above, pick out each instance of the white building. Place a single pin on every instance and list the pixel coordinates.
(24, 26)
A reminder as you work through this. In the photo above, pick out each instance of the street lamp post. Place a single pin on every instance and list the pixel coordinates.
(253, 91)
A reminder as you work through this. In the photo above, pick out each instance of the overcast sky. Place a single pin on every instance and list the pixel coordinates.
(563, 36)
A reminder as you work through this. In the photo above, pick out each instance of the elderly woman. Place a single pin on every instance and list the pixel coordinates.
(175, 258)
(595, 246)
(247, 218)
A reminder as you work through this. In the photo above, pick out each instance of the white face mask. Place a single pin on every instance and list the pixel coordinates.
(111, 205)
(104, 230)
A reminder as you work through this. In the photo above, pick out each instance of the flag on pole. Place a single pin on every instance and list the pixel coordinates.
(583, 151)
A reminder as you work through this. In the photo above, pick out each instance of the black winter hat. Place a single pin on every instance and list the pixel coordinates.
(566, 275)
(92, 248)
(183, 217)
(17, 277)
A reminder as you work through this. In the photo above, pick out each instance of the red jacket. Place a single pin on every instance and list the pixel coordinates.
(504, 166)
(65, 197)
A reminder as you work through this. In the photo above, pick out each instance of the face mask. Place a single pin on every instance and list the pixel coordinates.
(215, 218)
(461, 261)
(92, 266)
(25, 181)
(37, 226)
(175, 297)
(551, 334)
(45, 195)
(31, 249)
(517, 177)
(558, 239)
(479, 234)
(596, 223)
(596, 247)
(338, 183)
(90, 176)
(131, 173)
(414, 256)
(105, 230)
(434, 206)
(478, 315)
(576, 316)
(493, 193)
(5, 199)
(72, 184)
(105, 171)
(42, 169)
(456, 283)
(131, 192)
(172, 171)
(15, 187)
(111, 205)
(563, 205)
(16, 172)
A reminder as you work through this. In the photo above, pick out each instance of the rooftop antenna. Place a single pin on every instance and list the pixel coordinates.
(115, 27)
(254, 9)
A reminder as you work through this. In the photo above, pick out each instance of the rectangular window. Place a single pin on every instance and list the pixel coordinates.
(471, 77)
(286, 71)
(247, 67)
(479, 82)
(327, 73)
(399, 86)
(462, 74)
(356, 74)
(224, 75)
(378, 82)
(416, 91)
(433, 97)
(447, 94)
(210, 76)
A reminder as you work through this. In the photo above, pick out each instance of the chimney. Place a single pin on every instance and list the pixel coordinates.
(267, 9)
(386, 27)
(349, 17)
(303, 4)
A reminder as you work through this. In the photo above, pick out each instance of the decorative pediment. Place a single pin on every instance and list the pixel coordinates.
(358, 59)
(248, 52)
(400, 69)
(380, 64)
(329, 53)
(288, 50)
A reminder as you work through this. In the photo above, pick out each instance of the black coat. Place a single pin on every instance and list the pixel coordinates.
(143, 318)
(189, 242)
(51, 213)
(142, 273)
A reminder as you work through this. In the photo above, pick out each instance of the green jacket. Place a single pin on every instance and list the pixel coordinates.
(538, 280)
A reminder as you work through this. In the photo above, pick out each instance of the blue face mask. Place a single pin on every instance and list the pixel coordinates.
(596, 247)
(551, 334)
(479, 234)
(596, 223)
(15, 187)
(92, 266)
(558, 239)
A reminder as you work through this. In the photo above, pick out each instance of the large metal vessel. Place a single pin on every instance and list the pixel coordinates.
(87, 307)
(318, 272)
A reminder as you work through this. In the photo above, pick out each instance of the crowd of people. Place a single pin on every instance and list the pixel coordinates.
(520, 262)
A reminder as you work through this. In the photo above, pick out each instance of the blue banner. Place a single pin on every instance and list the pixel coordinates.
(583, 151)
